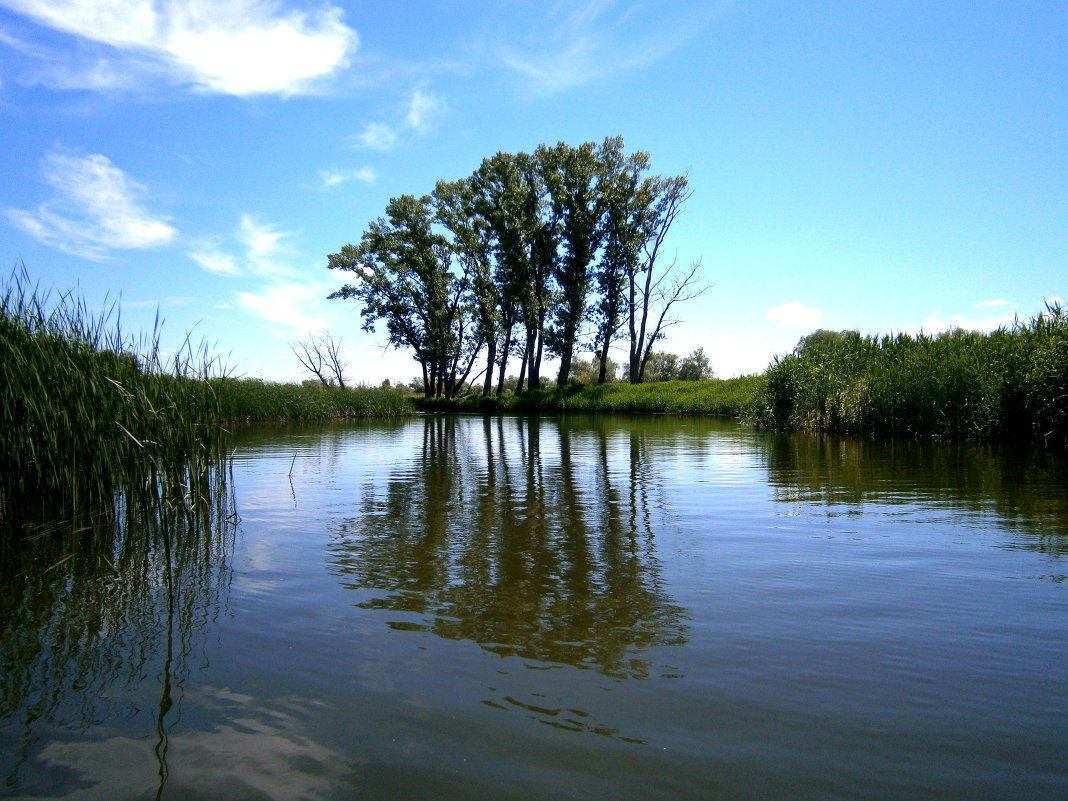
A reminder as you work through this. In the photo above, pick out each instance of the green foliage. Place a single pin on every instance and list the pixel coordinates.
(589, 372)
(669, 367)
(93, 421)
(1012, 383)
(696, 367)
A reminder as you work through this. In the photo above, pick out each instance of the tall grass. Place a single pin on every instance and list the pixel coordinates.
(90, 418)
(252, 400)
(1009, 384)
(89, 415)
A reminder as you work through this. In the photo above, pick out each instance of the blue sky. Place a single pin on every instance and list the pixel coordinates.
(890, 166)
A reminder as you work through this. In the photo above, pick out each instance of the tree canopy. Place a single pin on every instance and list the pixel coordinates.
(531, 255)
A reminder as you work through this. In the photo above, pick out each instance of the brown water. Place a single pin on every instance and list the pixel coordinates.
(589, 608)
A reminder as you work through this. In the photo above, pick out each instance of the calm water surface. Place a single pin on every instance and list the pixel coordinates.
(588, 608)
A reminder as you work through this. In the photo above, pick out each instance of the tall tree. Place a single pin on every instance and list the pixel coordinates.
(509, 194)
(404, 277)
(574, 180)
(455, 204)
(652, 292)
(626, 223)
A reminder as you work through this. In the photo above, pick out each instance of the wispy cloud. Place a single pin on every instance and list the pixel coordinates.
(263, 252)
(96, 209)
(986, 303)
(795, 315)
(331, 178)
(264, 257)
(377, 136)
(236, 47)
(424, 110)
(217, 262)
(559, 46)
(290, 304)
(421, 114)
(938, 323)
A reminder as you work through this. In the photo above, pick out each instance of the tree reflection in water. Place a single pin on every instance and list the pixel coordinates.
(538, 543)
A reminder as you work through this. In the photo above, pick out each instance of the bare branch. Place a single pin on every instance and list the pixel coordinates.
(321, 356)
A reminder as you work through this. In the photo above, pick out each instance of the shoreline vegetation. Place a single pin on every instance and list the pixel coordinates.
(98, 425)
(97, 422)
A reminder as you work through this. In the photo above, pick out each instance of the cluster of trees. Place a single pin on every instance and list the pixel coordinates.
(532, 256)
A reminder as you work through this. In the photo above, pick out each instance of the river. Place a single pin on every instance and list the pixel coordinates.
(559, 608)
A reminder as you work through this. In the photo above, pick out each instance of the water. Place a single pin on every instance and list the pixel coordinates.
(588, 608)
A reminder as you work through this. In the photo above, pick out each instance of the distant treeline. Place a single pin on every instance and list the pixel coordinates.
(1011, 384)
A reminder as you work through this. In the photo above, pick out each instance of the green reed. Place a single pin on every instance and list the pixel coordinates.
(253, 400)
(1009, 384)
(89, 415)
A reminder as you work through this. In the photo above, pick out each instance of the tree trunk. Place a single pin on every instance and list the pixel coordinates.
(491, 357)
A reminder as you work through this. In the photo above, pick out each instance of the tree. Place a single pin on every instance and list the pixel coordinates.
(651, 295)
(321, 356)
(627, 199)
(661, 367)
(530, 255)
(523, 228)
(455, 205)
(404, 277)
(574, 181)
(696, 367)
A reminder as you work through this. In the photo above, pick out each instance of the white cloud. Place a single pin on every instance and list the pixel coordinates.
(96, 209)
(332, 178)
(377, 136)
(936, 324)
(237, 47)
(291, 304)
(795, 315)
(215, 261)
(424, 110)
(262, 241)
(264, 252)
(421, 115)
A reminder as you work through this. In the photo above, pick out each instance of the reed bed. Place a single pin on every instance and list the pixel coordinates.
(252, 400)
(93, 420)
(89, 414)
(1009, 384)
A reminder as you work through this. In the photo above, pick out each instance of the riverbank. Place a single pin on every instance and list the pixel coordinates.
(728, 397)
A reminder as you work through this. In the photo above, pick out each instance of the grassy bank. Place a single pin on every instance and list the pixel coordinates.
(1011, 384)
(731, 396)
